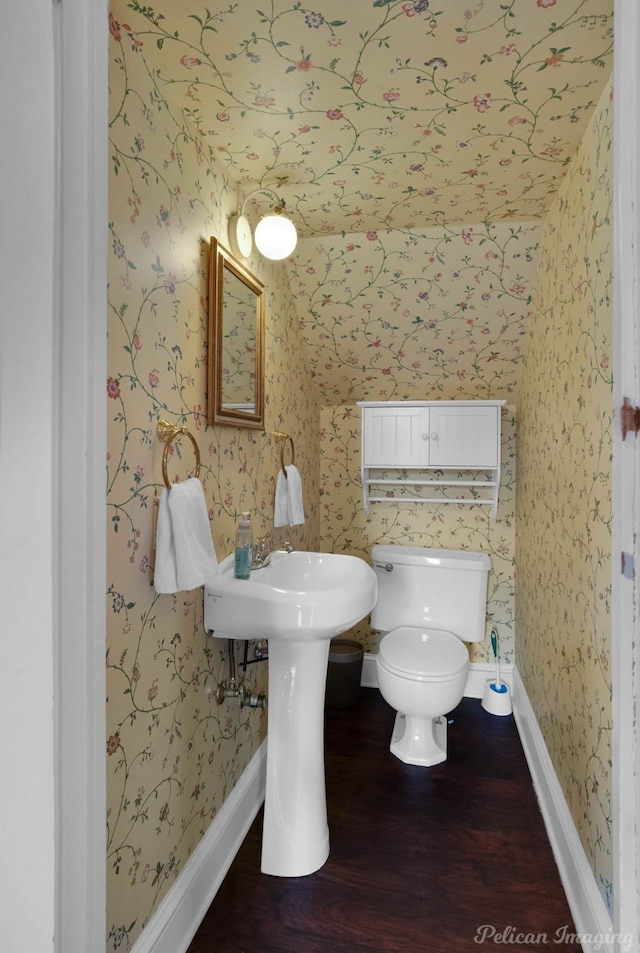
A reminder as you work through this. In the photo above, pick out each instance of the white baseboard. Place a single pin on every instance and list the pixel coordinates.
(590, 915)
(479, 672)
(369, 678)
(181, 912)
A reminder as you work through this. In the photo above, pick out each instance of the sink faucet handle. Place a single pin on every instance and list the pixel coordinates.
(261, 552)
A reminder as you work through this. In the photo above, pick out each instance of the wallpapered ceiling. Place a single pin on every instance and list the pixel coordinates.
(398, 306)
(385, 114)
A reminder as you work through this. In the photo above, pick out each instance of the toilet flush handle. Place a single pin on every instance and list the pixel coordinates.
(388, 567)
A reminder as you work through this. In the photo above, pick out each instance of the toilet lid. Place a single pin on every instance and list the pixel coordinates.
(423, 652)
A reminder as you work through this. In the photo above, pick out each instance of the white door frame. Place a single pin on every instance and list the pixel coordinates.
(81, 441)
(79, 438)
(626, 471)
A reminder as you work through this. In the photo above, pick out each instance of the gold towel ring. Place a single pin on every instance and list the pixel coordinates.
(281, 437)
(167, 432)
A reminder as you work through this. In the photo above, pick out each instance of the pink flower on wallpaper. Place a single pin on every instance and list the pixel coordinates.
(113, 744)
(372, 236)
(132, 36)
(136, 341)
(304, 64)
(391, 95)
(264, 100)
(546, 3)
(113, 388)
(190, 61)
(334, 114)
(467, 235)
(114, 27)
(482, 103)
(358, 79)
(154, 378)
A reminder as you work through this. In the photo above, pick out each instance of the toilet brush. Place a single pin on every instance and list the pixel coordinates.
(498, 685)
(496, 698)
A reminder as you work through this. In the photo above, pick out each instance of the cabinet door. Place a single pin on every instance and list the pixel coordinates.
(395, 437)
(465, 437)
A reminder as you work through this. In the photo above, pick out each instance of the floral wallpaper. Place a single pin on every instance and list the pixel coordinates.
(387, 113)
(563, 513)
(440, 313)
(418, 151)
(173, 754)
(437, 314)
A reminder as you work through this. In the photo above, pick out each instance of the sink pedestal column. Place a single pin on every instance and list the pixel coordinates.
(295, 838)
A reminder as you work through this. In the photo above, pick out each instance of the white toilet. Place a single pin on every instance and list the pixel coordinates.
(430, 602)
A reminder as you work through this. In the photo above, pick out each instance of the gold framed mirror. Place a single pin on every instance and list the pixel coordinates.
(235, 366)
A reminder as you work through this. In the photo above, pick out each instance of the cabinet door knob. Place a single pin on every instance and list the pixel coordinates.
(425, 436)
(434, 436)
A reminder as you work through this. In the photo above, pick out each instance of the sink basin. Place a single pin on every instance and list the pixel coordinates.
(298, 596)
(300, 601)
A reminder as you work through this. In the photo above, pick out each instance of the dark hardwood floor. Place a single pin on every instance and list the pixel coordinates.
(421, 858)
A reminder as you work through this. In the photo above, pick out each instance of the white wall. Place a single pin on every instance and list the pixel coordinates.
(27, 856)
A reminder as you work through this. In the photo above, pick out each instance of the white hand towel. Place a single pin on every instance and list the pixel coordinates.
(164, 572)
(185, 556)
(289, 507)
(281, 508)
(296, 506)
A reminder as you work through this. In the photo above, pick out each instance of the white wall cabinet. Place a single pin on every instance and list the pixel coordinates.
(444, 444)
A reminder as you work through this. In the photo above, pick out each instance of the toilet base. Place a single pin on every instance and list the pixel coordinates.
(421, 741)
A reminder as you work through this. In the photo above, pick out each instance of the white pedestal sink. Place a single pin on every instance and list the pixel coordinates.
(299, 602)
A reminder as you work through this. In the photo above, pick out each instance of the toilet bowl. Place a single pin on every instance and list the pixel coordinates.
(430, 602)
(421, 673)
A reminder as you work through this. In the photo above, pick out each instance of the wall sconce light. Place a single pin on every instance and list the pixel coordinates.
(275, 234)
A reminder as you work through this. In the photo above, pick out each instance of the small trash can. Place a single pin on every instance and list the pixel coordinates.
(344, 673)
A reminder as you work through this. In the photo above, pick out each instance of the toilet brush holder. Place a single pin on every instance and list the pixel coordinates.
(496, 698)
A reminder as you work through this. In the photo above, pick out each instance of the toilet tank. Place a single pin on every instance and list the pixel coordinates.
(435, 588)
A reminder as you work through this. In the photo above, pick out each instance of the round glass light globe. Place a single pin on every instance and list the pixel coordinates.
(275, 237)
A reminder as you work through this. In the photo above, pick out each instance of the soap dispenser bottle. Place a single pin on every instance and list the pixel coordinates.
(244, 547)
